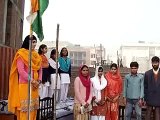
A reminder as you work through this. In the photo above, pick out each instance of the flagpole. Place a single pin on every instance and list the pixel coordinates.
(29, 72)
(55, 94)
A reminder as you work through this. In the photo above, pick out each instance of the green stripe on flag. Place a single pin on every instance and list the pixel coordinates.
(37, 26)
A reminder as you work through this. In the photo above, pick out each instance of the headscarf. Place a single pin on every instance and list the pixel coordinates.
(116, 77)
(13, 98)
(97, 86)
(85, 81)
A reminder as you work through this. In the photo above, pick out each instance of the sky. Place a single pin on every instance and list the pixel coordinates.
(107, 22)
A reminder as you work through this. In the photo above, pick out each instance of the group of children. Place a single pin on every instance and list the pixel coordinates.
(47, 88)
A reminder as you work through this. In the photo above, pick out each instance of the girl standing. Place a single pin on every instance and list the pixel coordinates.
(52, 70)
(65, 74)
(45, 76)
(99, 100)
(114, 89)
(83, 93)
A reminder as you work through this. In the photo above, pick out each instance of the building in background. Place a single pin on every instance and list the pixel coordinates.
(79, 55)
(100, 52)
(141, 52)
(11, 22)
(86, 55)
(90, 55)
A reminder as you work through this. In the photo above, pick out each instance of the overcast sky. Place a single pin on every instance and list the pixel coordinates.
(110, 22)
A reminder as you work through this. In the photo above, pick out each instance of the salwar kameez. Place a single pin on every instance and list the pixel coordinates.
(112, 111)
(23, 108)
(83, 95)
(77, 114)
(44, 87)
(18, 85)
(97, 117)
(99, 107)
(114, 89)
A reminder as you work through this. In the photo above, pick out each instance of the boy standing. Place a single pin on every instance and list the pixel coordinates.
(133, 91)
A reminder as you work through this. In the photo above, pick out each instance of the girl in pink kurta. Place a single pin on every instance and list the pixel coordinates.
(83, 93)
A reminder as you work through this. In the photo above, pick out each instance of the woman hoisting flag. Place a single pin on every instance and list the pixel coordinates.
(18, 82)
(25, 74)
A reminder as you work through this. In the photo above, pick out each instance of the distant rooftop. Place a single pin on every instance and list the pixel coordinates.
(52, 44)
(141, 44)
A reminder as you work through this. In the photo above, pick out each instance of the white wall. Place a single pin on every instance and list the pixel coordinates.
(139, 54)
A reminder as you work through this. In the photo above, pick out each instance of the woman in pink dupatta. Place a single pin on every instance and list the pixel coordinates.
(114, 89)
(83, 93)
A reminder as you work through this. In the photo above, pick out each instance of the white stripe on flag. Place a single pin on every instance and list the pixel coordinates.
(31, 17)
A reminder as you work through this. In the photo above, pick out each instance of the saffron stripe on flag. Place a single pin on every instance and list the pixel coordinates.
(35, 17)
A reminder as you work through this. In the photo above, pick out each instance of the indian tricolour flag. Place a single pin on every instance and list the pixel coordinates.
(35, 17)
